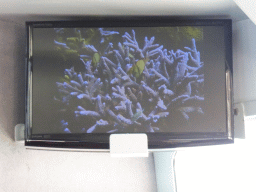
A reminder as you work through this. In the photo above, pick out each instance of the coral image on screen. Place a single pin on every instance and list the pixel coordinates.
(129, 79)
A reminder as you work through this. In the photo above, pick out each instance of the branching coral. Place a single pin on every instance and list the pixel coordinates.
(118, 98)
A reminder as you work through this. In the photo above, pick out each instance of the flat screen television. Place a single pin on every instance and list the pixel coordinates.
(170, 78)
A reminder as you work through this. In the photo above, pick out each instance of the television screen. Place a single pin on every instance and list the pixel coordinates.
(169, 78)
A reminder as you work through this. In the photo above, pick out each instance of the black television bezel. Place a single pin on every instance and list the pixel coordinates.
(156, 141)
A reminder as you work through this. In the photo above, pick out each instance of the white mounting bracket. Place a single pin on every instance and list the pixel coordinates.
(239, 114)
(128, 145)
(19, 133)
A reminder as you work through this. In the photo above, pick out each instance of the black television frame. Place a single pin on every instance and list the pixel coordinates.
(156, 141)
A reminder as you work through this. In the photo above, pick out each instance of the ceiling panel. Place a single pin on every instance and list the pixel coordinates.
(220, 8)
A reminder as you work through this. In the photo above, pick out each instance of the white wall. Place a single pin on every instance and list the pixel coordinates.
(224, 168)
(244, 60)
(31, 170)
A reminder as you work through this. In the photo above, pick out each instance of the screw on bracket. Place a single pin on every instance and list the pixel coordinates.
(236, 111)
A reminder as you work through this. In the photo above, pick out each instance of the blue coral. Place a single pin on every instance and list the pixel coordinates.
(171, 81)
